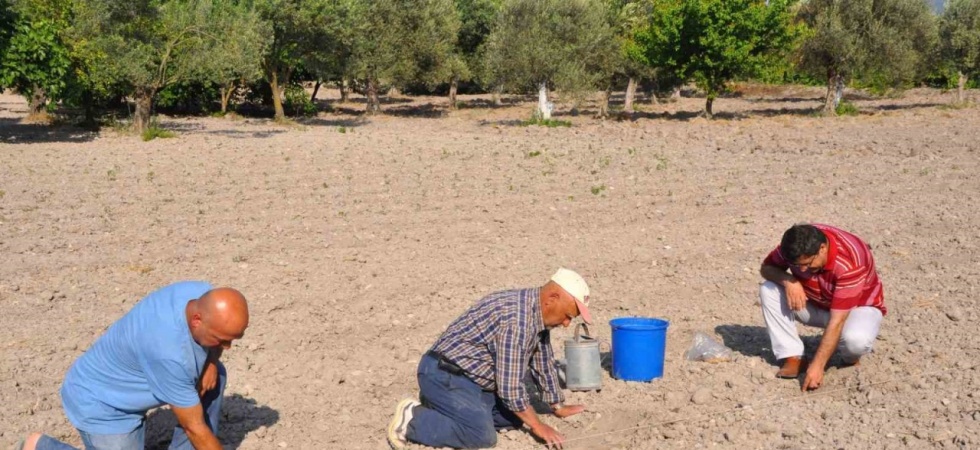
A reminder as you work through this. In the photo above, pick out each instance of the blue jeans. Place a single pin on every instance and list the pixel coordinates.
(455, 411)
(134, 440)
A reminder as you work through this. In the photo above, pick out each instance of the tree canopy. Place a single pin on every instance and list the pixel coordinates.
(959, 33)
(888, 41)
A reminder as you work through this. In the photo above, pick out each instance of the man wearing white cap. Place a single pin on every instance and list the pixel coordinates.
(472, 379)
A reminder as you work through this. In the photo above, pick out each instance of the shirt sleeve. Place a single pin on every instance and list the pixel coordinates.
(543, 370)
(849, 288)
(510, 368)
(170, 383)
(775, 258)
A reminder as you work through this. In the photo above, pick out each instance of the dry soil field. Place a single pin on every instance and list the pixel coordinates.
(357, 240)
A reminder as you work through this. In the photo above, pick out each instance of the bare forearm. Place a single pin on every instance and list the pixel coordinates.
(776, 275)
(529, 417)
(828, 343)
(203, 439)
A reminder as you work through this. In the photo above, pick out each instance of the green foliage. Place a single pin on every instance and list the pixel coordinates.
(721, 40)
(297, 102)
(324, 33)
(565, 43)
(713, 42)
(150, 133)
(550, 123)
(238, 38)
(188, 97)
(35, 59)
(959, 36)
(476, 19)
(886, 43)
(7, 20)
(404, 41)
(846, 108)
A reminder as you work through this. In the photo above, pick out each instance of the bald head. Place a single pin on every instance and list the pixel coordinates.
(218, 317)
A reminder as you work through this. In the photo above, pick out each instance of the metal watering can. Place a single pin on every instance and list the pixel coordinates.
(583, 371)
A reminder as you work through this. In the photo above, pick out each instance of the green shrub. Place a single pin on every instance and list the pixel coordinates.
(192, 97)
(550, 123)
(298, 102)
(846, 108)
(155, 131)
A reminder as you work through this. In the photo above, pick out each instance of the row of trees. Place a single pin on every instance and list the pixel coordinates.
(86, 52)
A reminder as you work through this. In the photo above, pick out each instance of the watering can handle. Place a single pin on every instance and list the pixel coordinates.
(579, 328)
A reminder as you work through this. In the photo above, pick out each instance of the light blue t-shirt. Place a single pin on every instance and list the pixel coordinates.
(146, 359)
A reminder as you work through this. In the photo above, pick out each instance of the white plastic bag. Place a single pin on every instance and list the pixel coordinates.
(706, 348)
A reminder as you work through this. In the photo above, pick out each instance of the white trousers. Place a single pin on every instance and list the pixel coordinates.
(857, 339)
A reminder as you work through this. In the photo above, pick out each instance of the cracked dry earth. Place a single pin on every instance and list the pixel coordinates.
(357, 240)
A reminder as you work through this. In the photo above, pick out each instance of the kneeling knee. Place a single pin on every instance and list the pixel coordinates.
(480, 438)
(856, 345)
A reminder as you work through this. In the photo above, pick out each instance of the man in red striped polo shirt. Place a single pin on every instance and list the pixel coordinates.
(831, 283)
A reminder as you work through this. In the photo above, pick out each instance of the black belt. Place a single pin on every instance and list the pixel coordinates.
(445, 364)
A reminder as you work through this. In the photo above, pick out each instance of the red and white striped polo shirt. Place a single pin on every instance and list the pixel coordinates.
(847, 281)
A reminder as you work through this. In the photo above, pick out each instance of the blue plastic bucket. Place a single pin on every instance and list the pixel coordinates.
(638, 345)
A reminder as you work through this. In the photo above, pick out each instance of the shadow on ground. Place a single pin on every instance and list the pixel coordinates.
(14, 132)
(748, 340)
(239, 417)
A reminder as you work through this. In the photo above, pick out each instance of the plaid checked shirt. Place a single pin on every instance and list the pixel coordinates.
(497, 340)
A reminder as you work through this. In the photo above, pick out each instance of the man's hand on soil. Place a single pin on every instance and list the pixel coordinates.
(549, 435)
(814, 377)
(569, 410)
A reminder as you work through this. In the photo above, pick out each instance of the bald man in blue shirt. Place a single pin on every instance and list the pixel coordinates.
(165, 351)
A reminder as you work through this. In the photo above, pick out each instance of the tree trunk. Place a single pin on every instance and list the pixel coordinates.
(832, 100)
(544, 107)
(838, 90)
(144, 106)
(630, 94)
(39, 99)
(276, 96)
(316, 88)
(226, 92)
(453, 86)
(373, 102)
(88, 105)
(603, 104)
(344, 87)
(960, 88)
(676, 93)
(497, 91)
(708, 113)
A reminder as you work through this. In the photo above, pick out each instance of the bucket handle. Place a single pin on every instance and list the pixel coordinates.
(579, 328)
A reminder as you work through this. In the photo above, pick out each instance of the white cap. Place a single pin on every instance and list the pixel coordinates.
(575, 286)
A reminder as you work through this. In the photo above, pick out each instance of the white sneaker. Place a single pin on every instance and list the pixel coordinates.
(398, 426)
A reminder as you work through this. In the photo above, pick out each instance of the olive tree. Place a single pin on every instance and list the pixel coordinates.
(630, 19)
(238, 39)
(401, 42)
(537, 44)
(476, 20)
(147, 44)
(959, 32)
(888, 39)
